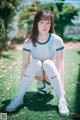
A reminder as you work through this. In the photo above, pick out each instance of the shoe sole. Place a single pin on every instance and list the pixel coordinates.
(64, 114)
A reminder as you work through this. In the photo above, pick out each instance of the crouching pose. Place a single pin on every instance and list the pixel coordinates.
(43, 45)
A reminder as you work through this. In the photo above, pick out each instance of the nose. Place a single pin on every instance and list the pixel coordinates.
(45, 25)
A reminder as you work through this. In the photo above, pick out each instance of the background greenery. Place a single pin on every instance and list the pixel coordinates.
(16, 11)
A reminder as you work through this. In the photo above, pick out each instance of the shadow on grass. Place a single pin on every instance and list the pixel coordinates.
(37, 102)
(6, 56)
(78, 52)
(33, 101)
(77, 105)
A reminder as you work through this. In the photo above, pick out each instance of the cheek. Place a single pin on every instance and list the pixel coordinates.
(49, 26)
(38, 25)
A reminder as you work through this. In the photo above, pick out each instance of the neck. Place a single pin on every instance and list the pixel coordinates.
(43, 37)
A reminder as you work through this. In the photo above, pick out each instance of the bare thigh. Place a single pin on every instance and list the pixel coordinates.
(42, 77)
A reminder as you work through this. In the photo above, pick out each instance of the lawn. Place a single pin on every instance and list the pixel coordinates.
(36, 106)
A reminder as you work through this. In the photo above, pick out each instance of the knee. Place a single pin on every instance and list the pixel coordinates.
(48, 64)
(37, 62)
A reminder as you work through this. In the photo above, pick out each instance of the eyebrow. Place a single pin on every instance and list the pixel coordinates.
(46, 20)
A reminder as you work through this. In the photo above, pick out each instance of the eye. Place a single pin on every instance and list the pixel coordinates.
(41, 21)
(48, 23)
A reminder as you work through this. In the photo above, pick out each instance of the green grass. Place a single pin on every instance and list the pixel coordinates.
(36, 106)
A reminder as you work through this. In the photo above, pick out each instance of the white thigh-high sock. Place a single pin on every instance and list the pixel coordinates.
(28, 76)
(54, 77)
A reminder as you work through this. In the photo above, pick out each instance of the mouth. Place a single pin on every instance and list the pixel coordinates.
(44, 30)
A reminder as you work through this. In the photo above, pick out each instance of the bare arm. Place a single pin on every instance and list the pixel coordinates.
(26, 61)
(59, 62)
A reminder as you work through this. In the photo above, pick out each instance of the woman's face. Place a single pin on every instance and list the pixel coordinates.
(44, 26)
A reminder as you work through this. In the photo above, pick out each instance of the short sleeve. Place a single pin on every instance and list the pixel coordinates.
(59, 44)
(27, 45)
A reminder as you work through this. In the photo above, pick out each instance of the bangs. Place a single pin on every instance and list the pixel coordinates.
(46, 15)
(43, 18)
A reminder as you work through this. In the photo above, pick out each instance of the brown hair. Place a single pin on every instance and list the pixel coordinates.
(41, 15)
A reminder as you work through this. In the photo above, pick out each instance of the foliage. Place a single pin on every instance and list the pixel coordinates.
(74, 38)
(7, 11)
(2, 27)
(63, 14)
(27, 16)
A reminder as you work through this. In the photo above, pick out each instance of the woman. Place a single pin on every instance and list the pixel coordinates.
(44, 46)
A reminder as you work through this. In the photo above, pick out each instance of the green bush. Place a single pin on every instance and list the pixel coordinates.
(19, 40)
(74, 38)
(2, 27)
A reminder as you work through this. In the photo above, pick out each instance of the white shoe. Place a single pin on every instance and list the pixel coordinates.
(63, 109)
(14, 104)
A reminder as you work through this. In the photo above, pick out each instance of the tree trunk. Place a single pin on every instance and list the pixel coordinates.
(3, 43)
